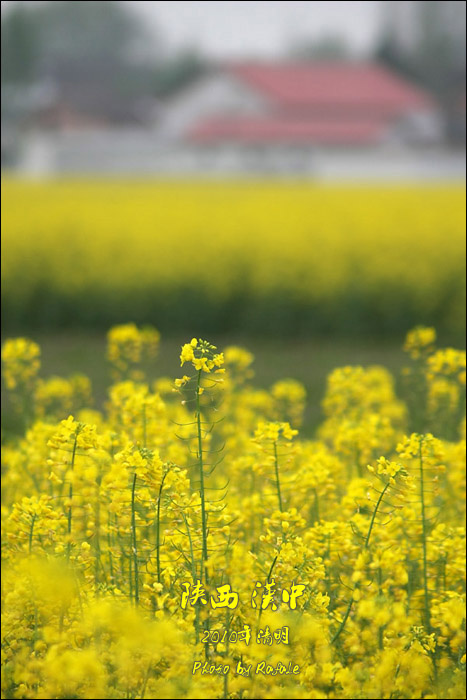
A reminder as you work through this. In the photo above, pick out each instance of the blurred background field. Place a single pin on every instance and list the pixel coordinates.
(283, 259)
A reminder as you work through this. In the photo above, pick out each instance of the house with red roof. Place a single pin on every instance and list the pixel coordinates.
(327, 120)
(288, 116)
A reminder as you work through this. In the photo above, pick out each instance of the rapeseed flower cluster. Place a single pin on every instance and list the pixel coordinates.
(128, 346)
(188, 528)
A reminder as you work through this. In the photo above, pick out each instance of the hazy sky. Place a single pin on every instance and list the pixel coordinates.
(260, 28)
(224, 29)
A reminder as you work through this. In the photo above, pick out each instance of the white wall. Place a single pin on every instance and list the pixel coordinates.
(123, 152)
(219, 94)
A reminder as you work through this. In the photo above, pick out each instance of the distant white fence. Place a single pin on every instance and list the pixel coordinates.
(141, 152)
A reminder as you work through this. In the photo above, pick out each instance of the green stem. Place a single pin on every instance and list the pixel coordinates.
(367, 540)
(193, 573)
(133, 530)
(192, 556)
(158, 521)
(276, 466)
(424, 537)
(201, 491)
(227, 646)
(201, 472)
(33, 520)
(109, 545)
(260, 611)
(130, 576)
(145, 682)
(70, 497)
(365, 546)
(97, 538)
(342, 625)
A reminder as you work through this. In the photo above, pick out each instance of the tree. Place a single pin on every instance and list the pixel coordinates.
(74, 40)
(179, 71)
(19, 46)
(330, 47)
(95, 31)
(432, 52)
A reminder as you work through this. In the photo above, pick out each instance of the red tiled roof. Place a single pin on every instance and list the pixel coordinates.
(286, 131)
(323, 85)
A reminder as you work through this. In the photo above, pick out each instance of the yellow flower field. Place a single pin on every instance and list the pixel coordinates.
(188, 542)
(277, 257)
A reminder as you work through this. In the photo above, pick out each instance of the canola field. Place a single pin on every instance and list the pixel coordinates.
(293, 258)
(188, 542)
